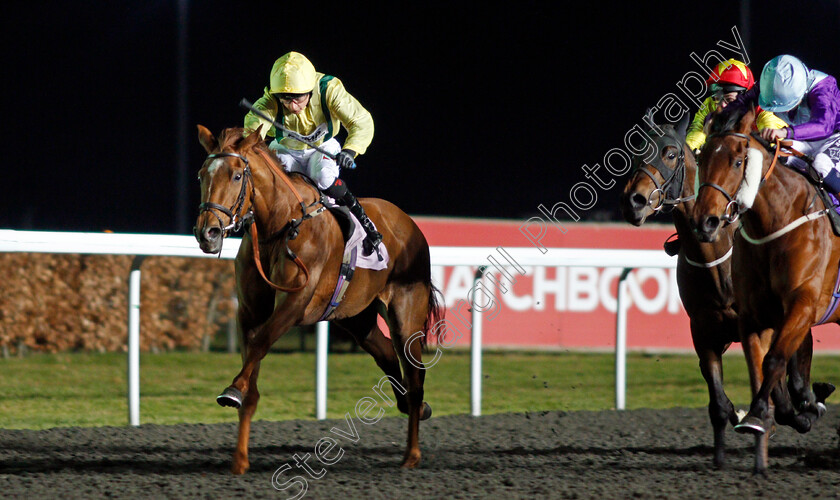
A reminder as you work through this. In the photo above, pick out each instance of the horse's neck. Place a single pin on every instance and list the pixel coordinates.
(275, 202)
(783, 197)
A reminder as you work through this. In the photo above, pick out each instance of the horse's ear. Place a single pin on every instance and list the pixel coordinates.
(205, 137)
(253, 138)
(682, 126)
(746, 121)
(648, 119)
(710, 120)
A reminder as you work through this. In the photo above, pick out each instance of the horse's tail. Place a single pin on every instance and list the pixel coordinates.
(436, 313)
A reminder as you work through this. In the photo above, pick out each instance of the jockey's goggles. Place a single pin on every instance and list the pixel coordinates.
(296, 98)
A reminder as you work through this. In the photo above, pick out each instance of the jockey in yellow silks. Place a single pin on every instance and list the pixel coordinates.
(727, 81)
(315, 105)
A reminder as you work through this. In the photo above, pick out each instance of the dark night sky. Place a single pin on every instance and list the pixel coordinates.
(479, 111)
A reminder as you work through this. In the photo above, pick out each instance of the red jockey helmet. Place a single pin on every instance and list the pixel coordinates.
(731, 76)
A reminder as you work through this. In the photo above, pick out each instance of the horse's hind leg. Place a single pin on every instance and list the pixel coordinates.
(364, 329)
(806, 397)
(407, 313)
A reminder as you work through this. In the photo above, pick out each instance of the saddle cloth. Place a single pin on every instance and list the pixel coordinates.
(354, 234)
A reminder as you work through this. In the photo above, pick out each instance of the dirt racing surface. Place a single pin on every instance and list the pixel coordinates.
(631, 454)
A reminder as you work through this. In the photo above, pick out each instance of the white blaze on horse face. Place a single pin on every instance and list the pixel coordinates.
(212, 169)
(752, 178)
(217, 163)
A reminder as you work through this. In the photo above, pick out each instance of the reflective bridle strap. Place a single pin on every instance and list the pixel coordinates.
(709, 265)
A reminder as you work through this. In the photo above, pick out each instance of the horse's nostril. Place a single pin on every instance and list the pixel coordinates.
(637, 200)
(212, 233)
(711, 223)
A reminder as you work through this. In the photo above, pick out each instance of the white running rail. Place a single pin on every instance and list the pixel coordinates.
(145, 245)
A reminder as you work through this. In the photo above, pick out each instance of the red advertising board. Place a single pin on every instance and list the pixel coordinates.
(571, 307)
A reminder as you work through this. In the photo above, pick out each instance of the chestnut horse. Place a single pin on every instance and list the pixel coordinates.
(288, 266)
(785, 254)
(665, 183)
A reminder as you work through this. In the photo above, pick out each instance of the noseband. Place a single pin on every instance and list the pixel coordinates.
(668, 192)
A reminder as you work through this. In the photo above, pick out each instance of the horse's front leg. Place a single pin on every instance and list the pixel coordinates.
(243, 393)
(790, 337)
(755, 343)
(240, 462)
(709, 351)
(794, 329)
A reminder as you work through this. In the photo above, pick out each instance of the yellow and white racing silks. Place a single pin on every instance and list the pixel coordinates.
(696, 137)
(330, 106)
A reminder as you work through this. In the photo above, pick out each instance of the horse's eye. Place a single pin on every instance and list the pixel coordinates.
(672, 156)
(738, 163)
(237, 177)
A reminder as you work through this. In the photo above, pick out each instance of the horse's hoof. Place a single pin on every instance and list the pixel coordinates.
(230, 397)
(426, 412)
(750, 425)
(822, 390)
(411, 460)
(801, 423)
(239, 469)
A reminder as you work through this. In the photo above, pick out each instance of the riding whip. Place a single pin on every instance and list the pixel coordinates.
(289, 133)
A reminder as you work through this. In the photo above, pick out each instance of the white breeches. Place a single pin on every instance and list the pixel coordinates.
(312, 163)
(822, 150)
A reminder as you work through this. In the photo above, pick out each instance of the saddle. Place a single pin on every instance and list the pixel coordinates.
(833, 205)
(345, 220)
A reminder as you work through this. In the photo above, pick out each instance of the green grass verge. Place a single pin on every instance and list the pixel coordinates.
(55, 390)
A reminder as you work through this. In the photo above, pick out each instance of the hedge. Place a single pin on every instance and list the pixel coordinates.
(54, 302)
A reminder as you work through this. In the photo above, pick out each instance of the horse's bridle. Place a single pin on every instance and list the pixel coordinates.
(733, 209)
(668, 192)
(237, 219)
(234, 213)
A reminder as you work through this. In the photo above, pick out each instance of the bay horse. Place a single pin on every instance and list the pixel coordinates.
(665, 183)
(785, 255)
(288, 276)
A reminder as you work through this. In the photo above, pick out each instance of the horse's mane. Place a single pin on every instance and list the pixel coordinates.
(727, 119)
(231, 137)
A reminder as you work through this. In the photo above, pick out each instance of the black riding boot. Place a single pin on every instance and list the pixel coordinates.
(342, 196)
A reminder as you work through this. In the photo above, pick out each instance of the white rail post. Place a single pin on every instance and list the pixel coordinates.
(323, 342)
(621, 305)
(134, 342)
(475, 350)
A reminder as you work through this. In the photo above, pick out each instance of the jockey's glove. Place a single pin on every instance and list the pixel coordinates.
(344, 159)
